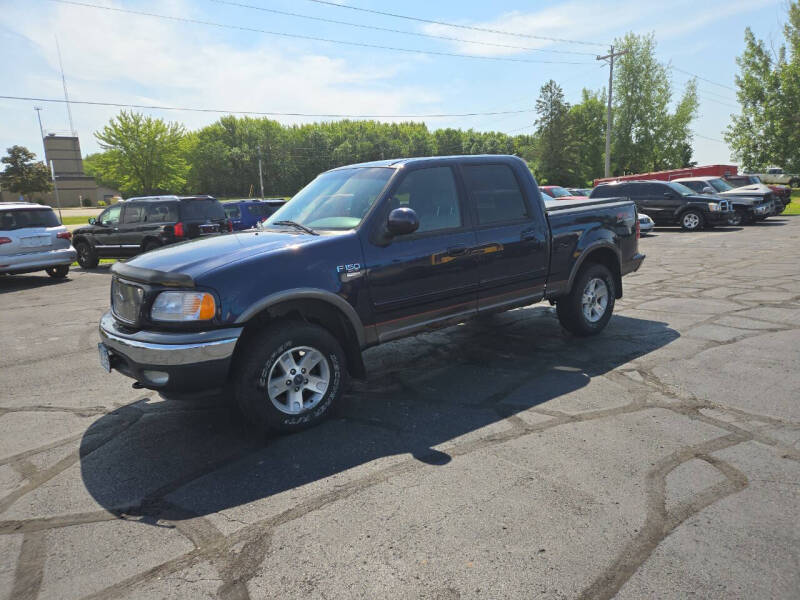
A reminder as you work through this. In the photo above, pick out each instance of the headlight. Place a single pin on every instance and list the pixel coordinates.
(183, 306)
(713, 207)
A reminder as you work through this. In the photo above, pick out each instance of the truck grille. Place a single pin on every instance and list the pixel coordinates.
(126, 300)
(724, 205)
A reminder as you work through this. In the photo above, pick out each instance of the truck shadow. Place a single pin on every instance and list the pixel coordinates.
(168, 459)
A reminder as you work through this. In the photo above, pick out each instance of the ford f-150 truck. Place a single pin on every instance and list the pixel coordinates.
(362, 255)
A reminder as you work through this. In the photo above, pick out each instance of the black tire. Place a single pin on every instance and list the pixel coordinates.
(736, 219)
(57, 272)
(570, 308)
(259, 357)
(150, 245)
(692, 220)
(87, 256)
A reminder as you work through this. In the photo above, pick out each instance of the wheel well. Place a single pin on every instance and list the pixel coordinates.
(320, 313)
(149, 239)
(608, 258)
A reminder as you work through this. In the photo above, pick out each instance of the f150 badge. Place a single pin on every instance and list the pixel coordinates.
(350, 271)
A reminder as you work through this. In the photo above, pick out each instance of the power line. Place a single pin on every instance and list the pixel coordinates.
(269, 113)
(401, 31)
(309, 37)
(722, 85)
(705, 137)
(456, 25)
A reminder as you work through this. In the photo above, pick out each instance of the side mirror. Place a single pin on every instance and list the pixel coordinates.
(92, 220)
(708, 190)
(402, 221)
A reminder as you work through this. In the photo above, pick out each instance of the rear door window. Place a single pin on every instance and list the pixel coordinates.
(495, 193)
(161, 213)
(202, 210)
(25, 218)
(232, 211)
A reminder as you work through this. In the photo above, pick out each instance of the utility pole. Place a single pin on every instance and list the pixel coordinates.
(610, 57)
(38, 110)
(260, 176)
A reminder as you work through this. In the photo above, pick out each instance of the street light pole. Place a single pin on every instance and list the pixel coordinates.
(55, 189)
(38, 110)
(609, 117)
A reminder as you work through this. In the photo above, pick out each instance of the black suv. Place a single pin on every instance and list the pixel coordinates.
(141, 224)
(670, 203)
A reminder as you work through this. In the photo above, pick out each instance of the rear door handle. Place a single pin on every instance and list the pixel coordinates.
(459, 250)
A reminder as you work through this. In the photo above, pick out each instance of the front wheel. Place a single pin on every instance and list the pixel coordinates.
(692, 220)
(587, 309)
(57, 272)
(290, 376)
(735, 219)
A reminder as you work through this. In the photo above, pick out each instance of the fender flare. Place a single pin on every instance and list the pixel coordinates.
(585, 254)
(308, 294)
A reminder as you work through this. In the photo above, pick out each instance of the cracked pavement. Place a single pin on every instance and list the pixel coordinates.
(495, 459)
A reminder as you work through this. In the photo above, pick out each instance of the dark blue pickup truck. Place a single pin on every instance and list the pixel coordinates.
(362, 255)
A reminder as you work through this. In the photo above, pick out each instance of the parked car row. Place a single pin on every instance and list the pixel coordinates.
(691, 201)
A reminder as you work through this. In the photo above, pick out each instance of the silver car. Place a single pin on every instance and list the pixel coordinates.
(646, 224)
(33, 239)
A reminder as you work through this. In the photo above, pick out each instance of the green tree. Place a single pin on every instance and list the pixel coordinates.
(142, 155)
(23, 174)
(767, 129)
(556, 148)
(588, 129)
(647, 136)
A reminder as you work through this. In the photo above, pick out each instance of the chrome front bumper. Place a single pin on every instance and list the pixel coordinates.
(37, 260)
(168, 348)
(169, 361)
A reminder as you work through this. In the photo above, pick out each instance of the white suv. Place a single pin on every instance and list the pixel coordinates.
(33, 239)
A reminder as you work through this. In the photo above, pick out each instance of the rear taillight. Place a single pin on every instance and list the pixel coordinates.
(230, 225)
(64, 235)
(5, 240)
(178, 230)
(638, 228)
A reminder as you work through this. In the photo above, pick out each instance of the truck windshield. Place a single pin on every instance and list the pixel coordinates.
(720, 185)
(680, 188)
(558, 192)
(336, 199)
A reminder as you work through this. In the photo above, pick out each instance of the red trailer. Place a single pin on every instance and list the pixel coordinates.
(715, 170)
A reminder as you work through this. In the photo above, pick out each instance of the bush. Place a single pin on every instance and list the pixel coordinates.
(86, 201)
(101, 203)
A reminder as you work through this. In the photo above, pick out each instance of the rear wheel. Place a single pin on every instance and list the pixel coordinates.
(87, 256)
(150, 245)
(290, 376)
(589, 305)
(692, 220)
(58, 272)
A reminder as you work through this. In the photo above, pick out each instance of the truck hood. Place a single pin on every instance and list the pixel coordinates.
(196, 257)
(749, 200)
(754, 189)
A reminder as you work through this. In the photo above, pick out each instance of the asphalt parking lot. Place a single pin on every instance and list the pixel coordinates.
(496, 459)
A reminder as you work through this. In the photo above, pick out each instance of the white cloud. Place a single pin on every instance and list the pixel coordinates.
(139, 60)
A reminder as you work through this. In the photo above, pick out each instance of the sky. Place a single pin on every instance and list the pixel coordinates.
(228, 62)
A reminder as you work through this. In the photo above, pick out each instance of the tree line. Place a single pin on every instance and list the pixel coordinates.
(566, 145)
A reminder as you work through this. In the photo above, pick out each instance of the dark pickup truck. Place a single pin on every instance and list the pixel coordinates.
(362, 255)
